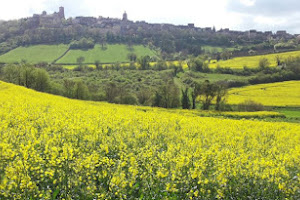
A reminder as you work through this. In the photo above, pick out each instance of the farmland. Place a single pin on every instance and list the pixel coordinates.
(56, 148)
(253, 61)
(34, 54)
(50, 53)
(113, 53)
(274, 94)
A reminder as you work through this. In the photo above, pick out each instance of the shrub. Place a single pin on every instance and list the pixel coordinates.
(250, 106)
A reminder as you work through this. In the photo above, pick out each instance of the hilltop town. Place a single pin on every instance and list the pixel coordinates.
(186, 39)
(57, 19)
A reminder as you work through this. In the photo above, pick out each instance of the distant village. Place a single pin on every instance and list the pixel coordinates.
(58, 19)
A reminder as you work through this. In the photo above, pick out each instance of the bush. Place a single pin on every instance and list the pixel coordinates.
(83, 43)
(250, 106)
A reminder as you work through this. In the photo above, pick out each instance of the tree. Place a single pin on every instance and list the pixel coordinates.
(221, 91)
(198, 65)
(208, 93)
(167, 96)
(42, 80)
(103, 41)
(144, 62)
(83, 43)
(81, 91)
(196, 87)
(144, 95)
(263, 63)
(98, 65)
(185, 100)
(12, 74)
(226, 55)
(27, 76)
(132, 57)
(157, 100)
(111, 91)
(80, 61)
(69, 87)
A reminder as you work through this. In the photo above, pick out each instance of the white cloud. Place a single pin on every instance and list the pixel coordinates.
(248, 2)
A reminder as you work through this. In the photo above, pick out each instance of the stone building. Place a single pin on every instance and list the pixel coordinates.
(53, 20)
(125, 16)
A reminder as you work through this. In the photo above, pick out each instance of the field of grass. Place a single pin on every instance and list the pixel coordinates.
(290, 112)
(253, 61)
(113, 53)
(34, 54)
(273, 94)
(56, 148)
(215, 49)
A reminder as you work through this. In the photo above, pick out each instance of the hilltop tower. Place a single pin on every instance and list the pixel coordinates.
(61, 12)
(125, 17)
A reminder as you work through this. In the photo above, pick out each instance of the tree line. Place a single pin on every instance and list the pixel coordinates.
(167, 95)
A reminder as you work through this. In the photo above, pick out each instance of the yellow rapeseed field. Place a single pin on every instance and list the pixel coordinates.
(273, 94)
(55, 148)
(253, 61)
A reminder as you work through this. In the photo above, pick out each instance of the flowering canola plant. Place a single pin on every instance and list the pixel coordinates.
(56, 148)
(253, 61)
(272, 94)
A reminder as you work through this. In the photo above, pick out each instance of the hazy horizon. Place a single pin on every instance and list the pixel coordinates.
(262, 15)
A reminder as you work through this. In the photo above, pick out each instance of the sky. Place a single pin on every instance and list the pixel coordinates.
(263, 15)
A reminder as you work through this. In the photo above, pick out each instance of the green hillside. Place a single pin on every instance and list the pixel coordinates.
(113, 53)
(49, 53)
(253, 61)
(34, 54)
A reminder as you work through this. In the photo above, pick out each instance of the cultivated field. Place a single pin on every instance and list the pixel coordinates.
(113, 53)
(55, 148)
(273, 94)
(34, 54)
(253, 61)
(50, 53)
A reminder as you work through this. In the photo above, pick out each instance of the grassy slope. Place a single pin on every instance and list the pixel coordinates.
(274, 94)
(113, 53)
(253, 61)
(212, 49)
(290, 112)
(34, 54)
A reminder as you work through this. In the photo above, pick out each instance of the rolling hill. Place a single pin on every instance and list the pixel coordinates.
(53, 147)
(34, 54)
(273, 94)
(253, 61)
(51, 53)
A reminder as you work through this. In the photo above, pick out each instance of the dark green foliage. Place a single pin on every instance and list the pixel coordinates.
(111, 92)
(83, 43)
(195, 92)
(185, 100)
(81, 91)
(250, 106)
(80, 61)
(221, 91)
(144, 96)
(167, 96)
(226, 55)
(144, 62)
(207, 92)
(197, 64)
(263, 63)
(42, 80)
(28, 76)
(69, 86)
(132, 57)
